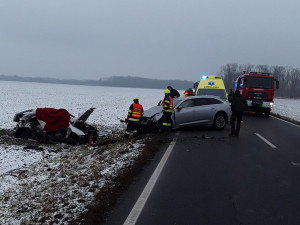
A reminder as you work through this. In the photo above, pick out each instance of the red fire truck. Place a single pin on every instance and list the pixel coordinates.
(258, 88)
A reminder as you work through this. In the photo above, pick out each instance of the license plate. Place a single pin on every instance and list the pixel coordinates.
(257, 102)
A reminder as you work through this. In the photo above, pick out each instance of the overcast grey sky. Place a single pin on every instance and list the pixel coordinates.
(165, 39)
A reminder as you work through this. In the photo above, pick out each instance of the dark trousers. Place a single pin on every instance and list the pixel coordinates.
(166, 121)
(236, 116)
(132, 127)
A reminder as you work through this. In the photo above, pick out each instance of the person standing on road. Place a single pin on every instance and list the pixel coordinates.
(238, 104)
(167, 111)
(173, 92)
(135, 113)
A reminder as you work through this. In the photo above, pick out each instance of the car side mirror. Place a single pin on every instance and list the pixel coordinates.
(159, 103)
(179, 108)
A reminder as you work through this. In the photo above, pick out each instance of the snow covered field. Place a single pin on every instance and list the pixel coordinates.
(111, 105)
(287, 107)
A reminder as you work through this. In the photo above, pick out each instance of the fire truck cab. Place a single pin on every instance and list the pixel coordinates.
(258, 88)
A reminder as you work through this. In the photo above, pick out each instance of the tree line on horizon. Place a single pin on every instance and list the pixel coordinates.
(288, 77)
(115, 81)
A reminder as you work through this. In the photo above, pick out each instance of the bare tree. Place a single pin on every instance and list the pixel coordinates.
(279, 73)
(228, 73)
(289, 78)
(245, 67)
(263, 68)
(294, 89)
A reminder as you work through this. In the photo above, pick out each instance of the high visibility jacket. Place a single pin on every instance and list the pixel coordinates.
(168, 104)
(188, 93)
(135, 112)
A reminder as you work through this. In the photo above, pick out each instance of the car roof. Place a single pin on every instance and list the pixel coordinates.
(201, 96)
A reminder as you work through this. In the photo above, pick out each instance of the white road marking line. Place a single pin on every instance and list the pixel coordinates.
(285, 121)
(296, 164)
(265, 140)
(140, 203)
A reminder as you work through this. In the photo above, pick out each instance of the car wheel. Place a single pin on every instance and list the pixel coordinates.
(160, 127)
(23, 132)
(220, 121)
(72, 139)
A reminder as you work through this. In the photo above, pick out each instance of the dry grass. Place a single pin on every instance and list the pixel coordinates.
(108, 195)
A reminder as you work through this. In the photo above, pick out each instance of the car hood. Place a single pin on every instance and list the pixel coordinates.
(152, 111)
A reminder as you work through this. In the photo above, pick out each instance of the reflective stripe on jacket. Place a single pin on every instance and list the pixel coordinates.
(135, 112)
(168, 104)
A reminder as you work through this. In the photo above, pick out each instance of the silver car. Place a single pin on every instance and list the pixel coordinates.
(191, 111)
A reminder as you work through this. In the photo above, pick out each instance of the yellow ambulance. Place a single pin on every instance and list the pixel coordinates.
(211, 85)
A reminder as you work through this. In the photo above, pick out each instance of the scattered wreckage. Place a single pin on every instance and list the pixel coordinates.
(49, 124)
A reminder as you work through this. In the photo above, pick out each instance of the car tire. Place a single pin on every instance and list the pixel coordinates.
(72, 139)
(160, 127)
(220, 121)
(23, 132)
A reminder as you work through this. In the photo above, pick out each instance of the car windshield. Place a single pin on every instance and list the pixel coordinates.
(176, 101)
(259, 82)
(216, 92)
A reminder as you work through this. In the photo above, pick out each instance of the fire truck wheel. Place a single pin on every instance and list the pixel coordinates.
(259, 112)
(267, 112)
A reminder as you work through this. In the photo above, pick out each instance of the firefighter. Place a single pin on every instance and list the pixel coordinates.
(188, 92)
(238, 104)
(167, 111)
(135, 113)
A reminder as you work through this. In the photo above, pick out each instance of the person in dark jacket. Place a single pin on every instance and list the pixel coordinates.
(135, 113)
(173, 92)
(238, 104)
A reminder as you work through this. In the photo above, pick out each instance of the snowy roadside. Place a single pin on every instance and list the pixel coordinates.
(60, 185)
(61, 180)
(288, 109)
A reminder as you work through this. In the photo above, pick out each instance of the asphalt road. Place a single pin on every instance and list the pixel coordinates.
(251, 179)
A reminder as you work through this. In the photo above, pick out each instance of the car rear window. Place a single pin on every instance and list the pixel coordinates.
(214, 101)
(206, 101)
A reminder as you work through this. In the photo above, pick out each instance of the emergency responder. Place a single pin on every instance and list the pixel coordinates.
(135, 113)
(173, 92)
(167, 111)
(188, 92)
(238, 104)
